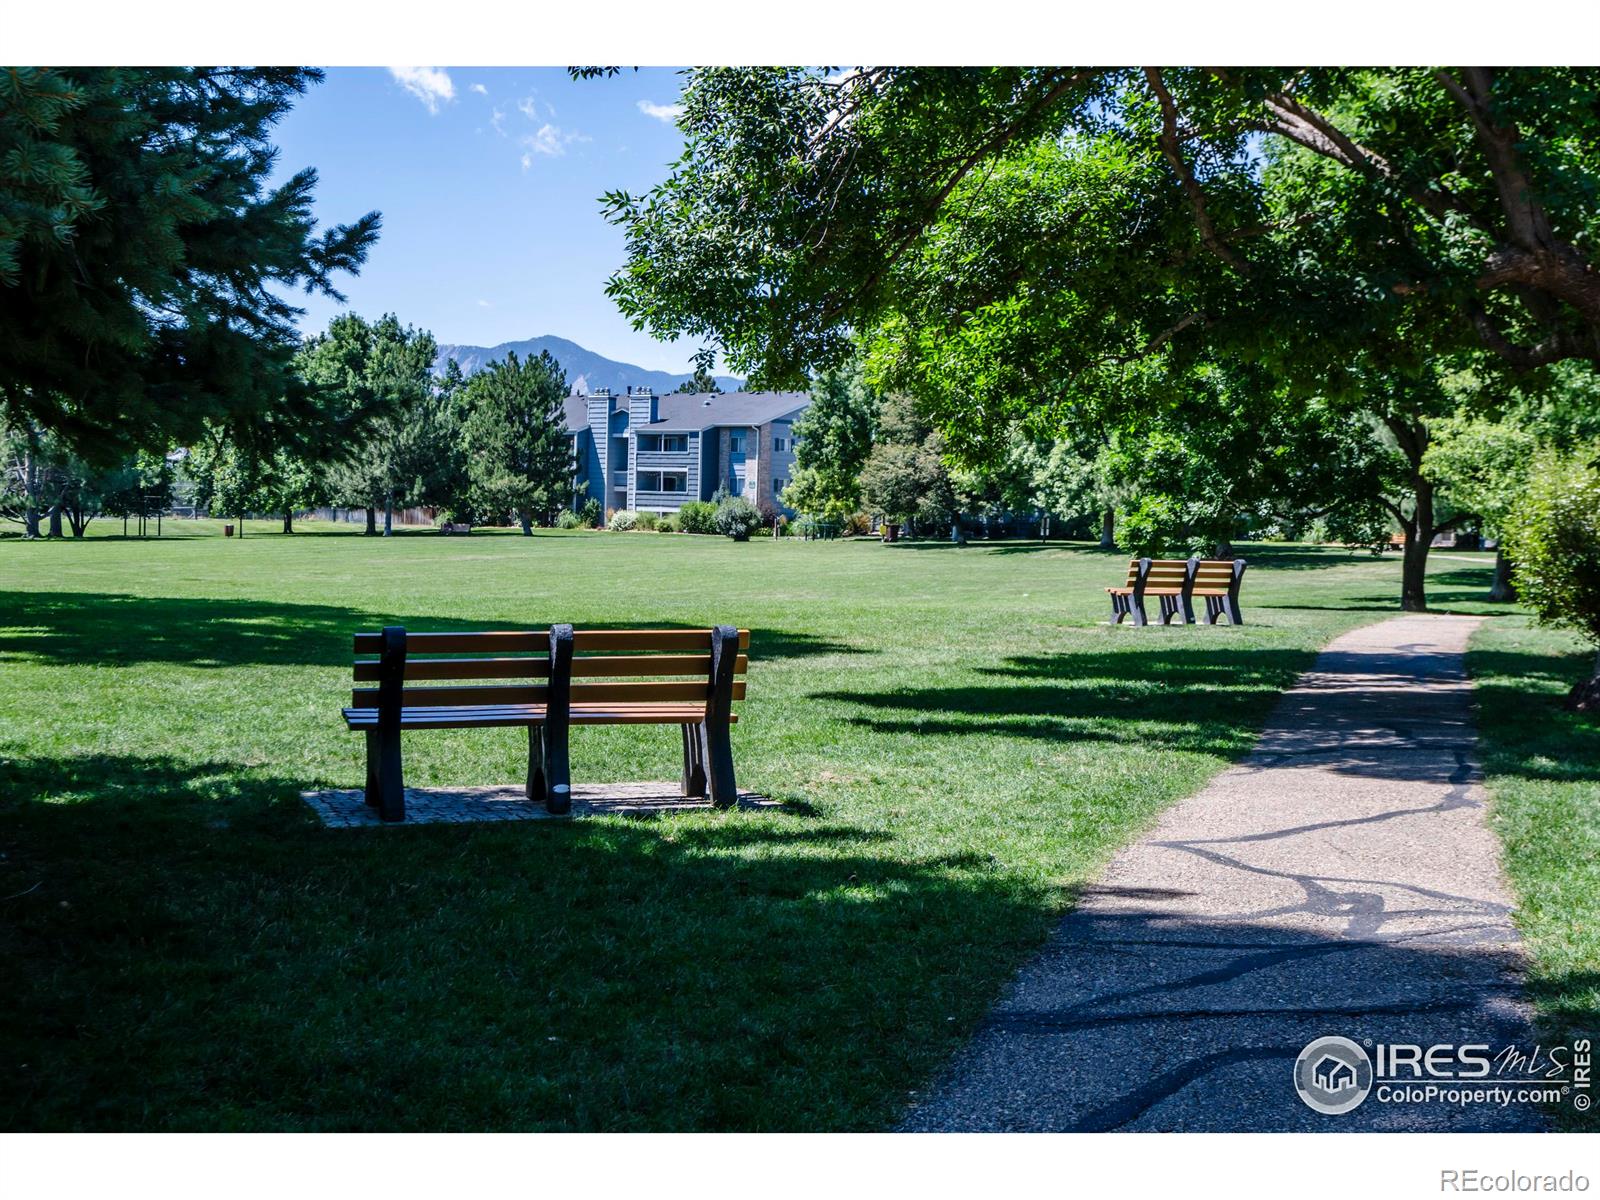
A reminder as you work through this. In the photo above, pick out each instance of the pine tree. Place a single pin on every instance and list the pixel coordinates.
(143, 256)
(515, 439)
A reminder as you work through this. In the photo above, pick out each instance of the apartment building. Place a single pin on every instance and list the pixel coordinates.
(650, 453)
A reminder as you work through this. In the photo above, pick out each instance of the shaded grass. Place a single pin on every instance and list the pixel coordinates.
(960, 740)
(1543, 772)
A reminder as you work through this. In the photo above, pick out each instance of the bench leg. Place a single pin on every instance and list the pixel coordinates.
(1169, 609)
(1119, 608)
(372, 768)
(1213, 607)
(1188, 610)
(718, 750)
(536, 779)
(694, 762)
(391, 778)
(1231, 607)
(1140, 617)
(558, 780)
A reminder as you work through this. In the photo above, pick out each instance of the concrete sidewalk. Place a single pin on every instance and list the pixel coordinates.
(1340, 881)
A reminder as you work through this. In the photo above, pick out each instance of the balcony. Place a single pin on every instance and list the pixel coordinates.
(679, 460)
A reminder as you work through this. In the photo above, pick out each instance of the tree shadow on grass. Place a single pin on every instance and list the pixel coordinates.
(74, 628)
(1210, 700)
(188, 949)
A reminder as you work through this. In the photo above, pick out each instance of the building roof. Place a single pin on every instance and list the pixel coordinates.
(686, 412)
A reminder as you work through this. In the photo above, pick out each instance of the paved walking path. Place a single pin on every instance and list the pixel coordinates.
(1338, 881)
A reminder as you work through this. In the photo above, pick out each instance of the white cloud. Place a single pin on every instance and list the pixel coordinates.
(550, 140)
(661, 112)
(431, 85)
(484, 304)
(498, 119)
(528, 107)
(479, 88)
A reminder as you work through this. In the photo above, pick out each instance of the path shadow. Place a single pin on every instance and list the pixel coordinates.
(185, 948)
(74, 628)
(1140, 1016)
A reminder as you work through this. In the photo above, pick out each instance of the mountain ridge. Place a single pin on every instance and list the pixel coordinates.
(586, 370)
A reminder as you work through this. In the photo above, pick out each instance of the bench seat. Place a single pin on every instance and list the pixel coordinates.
(500, 716)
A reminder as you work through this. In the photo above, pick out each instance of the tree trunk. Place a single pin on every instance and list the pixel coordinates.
(30, 484)
(388, 514)
(1108, 530)
(55, 520)
(1419, 537)
(372, 522)
(1503, 591)
(527, 524)
(288, 521)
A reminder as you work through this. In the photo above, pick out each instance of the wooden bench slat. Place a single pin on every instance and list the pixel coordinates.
(461, 668)
(648, 639)
(588, 692)
(504, 641)
(601, 666)
(445, 697)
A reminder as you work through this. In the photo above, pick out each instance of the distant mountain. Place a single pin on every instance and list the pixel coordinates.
(586, 370)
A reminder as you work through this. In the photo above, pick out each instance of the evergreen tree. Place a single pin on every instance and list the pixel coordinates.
(514, 436)
(143, 256)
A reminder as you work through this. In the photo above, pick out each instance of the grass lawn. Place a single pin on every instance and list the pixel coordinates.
(1543, 768)
(959, 739)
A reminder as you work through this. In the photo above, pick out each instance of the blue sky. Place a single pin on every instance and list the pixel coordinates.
(488, 180)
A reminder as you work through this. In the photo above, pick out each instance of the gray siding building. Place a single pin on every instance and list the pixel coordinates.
(650, 453)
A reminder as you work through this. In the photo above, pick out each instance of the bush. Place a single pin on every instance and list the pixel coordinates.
(667, 525)
(696, 516)
(858, 526)
(622, 521)
(738, 518)
(1553, 537)
(590, 513)
(647, 521)
(569, 520)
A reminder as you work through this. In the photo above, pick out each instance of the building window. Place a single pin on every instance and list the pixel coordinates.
(649, 481)
(674, 481)
(675, 443)
(738, 485)
(736, 441)
(778, 485)
(649, 441)
(780, 444)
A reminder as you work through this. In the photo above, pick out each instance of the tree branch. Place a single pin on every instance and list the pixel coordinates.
(1172, 149)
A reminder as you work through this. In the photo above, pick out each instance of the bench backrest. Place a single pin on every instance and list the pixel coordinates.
(623, 666)
(1219, 573)
(1210, 573)
(617, 666)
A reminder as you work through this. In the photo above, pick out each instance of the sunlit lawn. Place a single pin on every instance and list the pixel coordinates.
(959, 739)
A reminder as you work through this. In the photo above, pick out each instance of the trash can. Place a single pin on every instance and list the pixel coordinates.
(891, 532)
(227, 531)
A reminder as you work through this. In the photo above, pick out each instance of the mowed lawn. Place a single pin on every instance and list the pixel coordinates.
(959, 740)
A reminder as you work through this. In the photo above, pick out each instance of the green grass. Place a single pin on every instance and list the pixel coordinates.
(1543, 769)
(959, 740)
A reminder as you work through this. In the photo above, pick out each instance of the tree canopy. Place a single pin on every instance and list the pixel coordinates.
(144, 256)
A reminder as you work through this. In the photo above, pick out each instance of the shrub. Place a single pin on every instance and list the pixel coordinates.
(858, 526)
(805, 525)
(647, 521)
(590, 513)
(1553, 537)
(738, 518)
(667, 525)
(622, 521)
(569, 520)
(696, 516)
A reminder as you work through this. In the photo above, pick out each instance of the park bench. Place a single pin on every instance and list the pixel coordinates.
(1175, 582)
(549, 681)
(462, 528)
